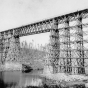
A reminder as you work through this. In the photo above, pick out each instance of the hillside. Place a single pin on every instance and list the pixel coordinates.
(34, 57)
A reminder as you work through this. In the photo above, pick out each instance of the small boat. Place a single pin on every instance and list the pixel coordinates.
(26, 68)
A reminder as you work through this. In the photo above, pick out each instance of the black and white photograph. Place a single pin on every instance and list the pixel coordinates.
(43, 43)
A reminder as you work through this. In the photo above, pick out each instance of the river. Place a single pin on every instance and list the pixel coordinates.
(17, 79)
(33, 79)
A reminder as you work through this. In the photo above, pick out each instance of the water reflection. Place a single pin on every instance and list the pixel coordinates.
(17, 79)
(1, 80)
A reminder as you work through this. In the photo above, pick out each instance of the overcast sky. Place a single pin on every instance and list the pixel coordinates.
(15, 13)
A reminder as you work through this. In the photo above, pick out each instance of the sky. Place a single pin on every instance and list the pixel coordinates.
(15, 13)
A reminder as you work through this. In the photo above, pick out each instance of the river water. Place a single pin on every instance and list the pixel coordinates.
(17, 79)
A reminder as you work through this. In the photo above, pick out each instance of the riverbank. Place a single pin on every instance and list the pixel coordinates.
(10, 66)
(49, 80)
(65, 80)
(37, 79)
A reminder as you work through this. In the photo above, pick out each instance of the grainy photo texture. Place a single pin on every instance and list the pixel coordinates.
(43, 44)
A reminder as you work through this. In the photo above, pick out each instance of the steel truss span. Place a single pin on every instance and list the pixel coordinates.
(67, 52)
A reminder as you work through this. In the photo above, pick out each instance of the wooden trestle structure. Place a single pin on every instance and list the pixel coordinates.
(67, 53)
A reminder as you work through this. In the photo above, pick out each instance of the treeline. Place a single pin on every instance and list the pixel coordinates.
(33, 56)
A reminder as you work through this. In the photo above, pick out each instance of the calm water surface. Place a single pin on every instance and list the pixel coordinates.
(17, 79)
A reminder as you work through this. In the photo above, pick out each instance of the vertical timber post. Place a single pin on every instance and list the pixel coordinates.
(79, 69)
(1, 48)
(13, 54)
(54, 43)
(80, 60)
(67, 49)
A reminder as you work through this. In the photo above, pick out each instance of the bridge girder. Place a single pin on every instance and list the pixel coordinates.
(46, 25)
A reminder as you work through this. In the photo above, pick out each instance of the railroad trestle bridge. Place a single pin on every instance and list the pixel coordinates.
(67, 52)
